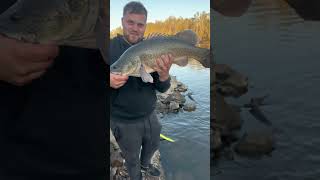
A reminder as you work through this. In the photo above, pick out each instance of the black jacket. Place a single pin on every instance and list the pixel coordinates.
(57, 124)
(136, 99)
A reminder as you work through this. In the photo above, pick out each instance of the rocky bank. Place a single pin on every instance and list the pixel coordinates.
(226, 137)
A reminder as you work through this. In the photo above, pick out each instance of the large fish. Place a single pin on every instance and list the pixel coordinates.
(140, 59)
(78, 23)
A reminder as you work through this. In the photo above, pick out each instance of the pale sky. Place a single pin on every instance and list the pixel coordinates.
(159, 9)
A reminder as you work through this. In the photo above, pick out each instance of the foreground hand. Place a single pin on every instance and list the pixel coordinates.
(163, 66)
(117, 81)
(20, 62)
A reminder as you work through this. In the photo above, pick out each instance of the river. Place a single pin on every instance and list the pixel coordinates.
(188, 157)
(279, 52)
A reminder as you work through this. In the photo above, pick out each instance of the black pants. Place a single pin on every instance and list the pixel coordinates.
(134, 135)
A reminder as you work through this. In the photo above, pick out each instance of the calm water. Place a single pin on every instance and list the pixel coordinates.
(188, 158)
(279, 52)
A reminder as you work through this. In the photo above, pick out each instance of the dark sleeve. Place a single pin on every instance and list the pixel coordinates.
(113, 47)
(161, 86)
(116, 49)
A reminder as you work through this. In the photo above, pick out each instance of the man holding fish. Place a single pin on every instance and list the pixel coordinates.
(133, 119)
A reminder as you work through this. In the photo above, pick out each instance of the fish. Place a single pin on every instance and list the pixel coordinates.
(140, 59)
(77, 23)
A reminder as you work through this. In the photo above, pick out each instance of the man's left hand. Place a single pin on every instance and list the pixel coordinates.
(163, 66)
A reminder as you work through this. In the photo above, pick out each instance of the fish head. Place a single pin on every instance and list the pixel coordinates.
(125, 66)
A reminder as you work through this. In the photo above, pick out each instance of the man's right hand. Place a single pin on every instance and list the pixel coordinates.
(117, 81)
(20, 62)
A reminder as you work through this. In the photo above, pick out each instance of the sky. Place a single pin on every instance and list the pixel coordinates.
(159, 9)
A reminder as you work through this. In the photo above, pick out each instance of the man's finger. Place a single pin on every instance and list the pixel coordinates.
(161, 63)
(120, 78)
(39, 66)
(168, 59)
(119, 84)
(28, 78)
(36, 52)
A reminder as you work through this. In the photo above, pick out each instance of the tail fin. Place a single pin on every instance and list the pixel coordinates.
(205, 60)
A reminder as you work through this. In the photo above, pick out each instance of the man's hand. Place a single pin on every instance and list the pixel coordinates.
(163, 66)
(20, 62)
(117, 81)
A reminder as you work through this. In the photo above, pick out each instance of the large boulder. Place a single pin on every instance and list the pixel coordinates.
(230, 82)
(255, 143)
(189, 106)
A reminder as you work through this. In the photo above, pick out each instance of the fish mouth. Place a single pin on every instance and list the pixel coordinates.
(115, 72)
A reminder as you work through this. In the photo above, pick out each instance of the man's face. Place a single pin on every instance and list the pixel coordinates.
(134, 26)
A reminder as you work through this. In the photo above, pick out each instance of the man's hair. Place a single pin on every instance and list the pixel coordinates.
(134, 7)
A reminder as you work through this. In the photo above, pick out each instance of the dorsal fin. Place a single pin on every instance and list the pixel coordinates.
(156, 35)
(188, 36)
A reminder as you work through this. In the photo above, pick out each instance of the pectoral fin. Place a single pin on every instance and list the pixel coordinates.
(181, 61)
(146, 77)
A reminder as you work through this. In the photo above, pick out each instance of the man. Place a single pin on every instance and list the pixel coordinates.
(133, 118)
(52, 111)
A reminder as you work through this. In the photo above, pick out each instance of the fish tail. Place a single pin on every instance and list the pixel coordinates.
(205, 58)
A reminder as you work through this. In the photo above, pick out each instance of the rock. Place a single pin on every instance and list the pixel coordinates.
(162, 96)
(226, 117)
(174, 82)
(174, 106)
(113, 171)
(230, 82)
(179, 98)
(255, 144)
(190, 106)
(155, 160)
(216, 138)
(181, 87)
(172, 100)
(160, 115)
(169, 99)
(116, 159)
(161, 108)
